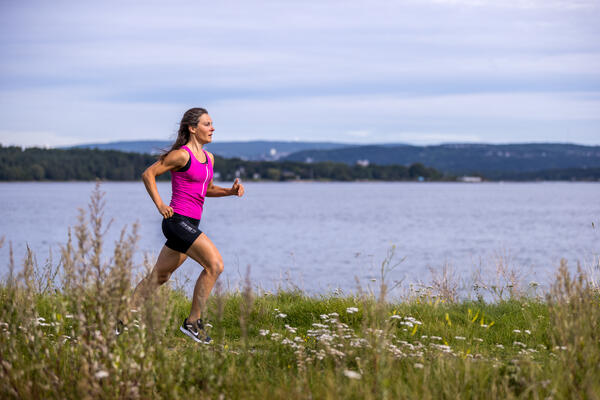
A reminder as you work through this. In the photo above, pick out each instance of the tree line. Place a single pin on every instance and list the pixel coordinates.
(36, 164)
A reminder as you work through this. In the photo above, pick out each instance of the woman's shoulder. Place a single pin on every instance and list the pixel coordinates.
(212, 157)
(178, 157)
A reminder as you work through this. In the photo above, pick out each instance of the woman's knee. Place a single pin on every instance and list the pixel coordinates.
(215, 266)
(161, 277)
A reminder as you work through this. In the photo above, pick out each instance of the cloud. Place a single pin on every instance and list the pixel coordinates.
(126, 70)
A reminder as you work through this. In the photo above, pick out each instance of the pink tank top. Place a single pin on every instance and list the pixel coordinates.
(189, 186)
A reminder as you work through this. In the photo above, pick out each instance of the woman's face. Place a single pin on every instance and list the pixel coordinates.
(204, 130)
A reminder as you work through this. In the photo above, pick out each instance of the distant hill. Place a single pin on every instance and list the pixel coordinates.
(465, 158)
(256, 150)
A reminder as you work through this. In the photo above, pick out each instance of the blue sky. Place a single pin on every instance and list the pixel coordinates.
(420, 72)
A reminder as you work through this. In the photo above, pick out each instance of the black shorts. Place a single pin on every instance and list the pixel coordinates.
(180, 231)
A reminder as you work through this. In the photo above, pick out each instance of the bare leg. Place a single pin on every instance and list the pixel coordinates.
(168, 261)
(206, 254)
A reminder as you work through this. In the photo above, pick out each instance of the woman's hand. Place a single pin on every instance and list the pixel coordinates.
(165, 210)
(237, 189)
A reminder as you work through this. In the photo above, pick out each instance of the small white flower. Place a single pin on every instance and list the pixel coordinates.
(459, 337)
(351, 310)
(527, 331)
(352, 374)
(334, 314)
(324, 316)
(281, 315)
(436, 338)
(499, 346)
(418, 365)
(263, 332)
(516, 331)
(101, 374)
(478, 339)
(484, 326)
(395, 316)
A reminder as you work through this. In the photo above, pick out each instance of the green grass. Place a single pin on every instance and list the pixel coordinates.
(57, 339)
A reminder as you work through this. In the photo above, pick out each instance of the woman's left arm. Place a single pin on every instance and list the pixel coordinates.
(217, 191)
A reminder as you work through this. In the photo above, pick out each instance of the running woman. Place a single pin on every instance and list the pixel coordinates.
(192, 180)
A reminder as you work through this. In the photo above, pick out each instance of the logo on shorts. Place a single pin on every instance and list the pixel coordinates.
(187, 227)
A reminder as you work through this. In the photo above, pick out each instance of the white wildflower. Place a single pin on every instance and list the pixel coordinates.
(263, 332)
(101, 374)
(351, 310)
(436, 338)
(290, 329)
(395, 316)
(352, 374)
(499, 346)
(281, 315)
(516, 331)
(515, 343)
(484, 326)
(419, 365)
(478, 339)
(334, 314)
(324, 316)
(459, 337)
(527, 331)
(317, 325)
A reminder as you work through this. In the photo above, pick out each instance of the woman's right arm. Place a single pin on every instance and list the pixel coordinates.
(174, 160)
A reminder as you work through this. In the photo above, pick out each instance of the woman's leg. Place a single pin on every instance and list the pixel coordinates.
(168, 261)
(206, 254)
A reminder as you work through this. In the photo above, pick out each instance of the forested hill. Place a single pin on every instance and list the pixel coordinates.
(257, 150)
(17, 164)
(466, 158)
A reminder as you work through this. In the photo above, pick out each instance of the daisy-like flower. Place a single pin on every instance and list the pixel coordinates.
(352, 374)
(351, 310)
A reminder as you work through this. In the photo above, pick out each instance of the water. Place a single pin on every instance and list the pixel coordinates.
(322, 236)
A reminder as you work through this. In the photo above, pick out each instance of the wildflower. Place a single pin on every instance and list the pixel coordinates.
(317, 325)
(499, 346)
(351, 310)
(418, 365)
(519, 344)
(290, 329)
(459, 337)
(352, 374)
(516, 331)
(436, 338)
(263, 332)
(324, 316)
(281, 315)
(395, 317)
(334, 314)
(478, 339)
(527, 331)
(484, 326)
(101, 374)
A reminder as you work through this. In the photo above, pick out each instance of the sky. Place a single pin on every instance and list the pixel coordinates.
(418, 72)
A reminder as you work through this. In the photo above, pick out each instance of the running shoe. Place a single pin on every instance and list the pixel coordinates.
(195, 330)
(119, 328)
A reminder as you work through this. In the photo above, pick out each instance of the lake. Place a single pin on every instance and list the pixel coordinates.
(324, 236)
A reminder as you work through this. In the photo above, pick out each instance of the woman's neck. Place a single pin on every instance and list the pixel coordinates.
(195, 145)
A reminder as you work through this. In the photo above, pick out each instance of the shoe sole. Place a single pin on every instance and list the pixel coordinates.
(191, 335)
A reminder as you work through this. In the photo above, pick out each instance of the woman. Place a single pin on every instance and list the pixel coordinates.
(191, 179)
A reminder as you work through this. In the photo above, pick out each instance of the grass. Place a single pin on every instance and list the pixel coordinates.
(57, 339)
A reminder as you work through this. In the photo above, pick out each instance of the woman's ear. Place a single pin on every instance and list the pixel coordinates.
(192, 129)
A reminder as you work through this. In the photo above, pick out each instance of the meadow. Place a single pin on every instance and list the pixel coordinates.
(57, 337)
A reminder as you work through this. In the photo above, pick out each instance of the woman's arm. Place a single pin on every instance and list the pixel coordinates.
(217, 191)
(174, 160)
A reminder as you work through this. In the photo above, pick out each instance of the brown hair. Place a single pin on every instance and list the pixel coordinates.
(190, 118)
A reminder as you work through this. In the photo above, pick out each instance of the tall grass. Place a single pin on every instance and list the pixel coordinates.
(57, 336)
